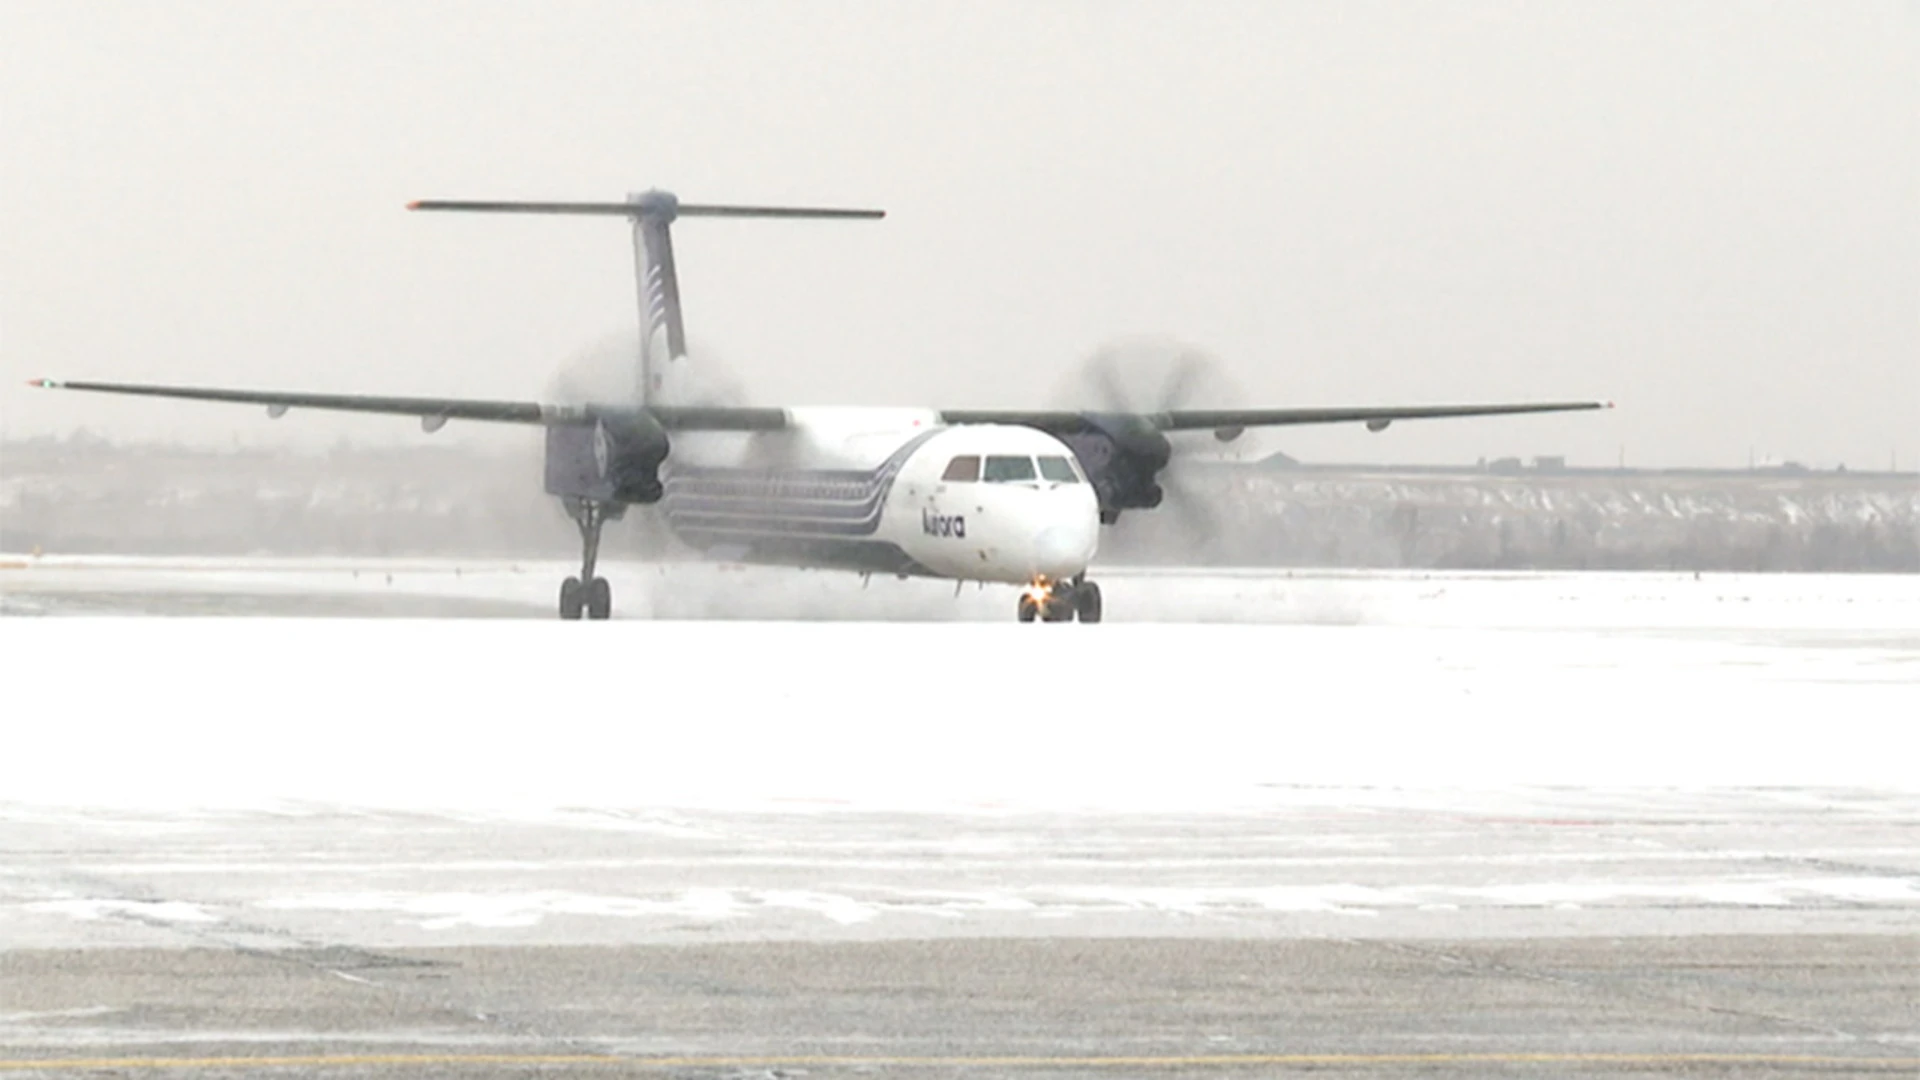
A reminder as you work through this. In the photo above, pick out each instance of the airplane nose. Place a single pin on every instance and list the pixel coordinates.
(1064, 550)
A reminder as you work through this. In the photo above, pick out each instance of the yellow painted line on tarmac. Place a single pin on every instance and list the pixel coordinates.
(1063, 1061)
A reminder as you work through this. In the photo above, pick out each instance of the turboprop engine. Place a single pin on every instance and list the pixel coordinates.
(1126, 457)
(1122, 454)
(615, 458)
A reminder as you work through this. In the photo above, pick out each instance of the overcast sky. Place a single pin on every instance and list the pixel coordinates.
(1709, 213)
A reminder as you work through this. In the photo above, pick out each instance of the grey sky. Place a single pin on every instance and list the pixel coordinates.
(1709, 213)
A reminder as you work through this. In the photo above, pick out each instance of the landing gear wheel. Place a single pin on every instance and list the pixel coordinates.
(1086, 602)
(1059, 609)
(587, 593)
(1028, 609)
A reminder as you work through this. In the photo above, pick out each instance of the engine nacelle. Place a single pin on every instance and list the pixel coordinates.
(613, 459)
(1121, 454)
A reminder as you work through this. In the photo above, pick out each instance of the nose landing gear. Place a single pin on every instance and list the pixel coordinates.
(1061, 601)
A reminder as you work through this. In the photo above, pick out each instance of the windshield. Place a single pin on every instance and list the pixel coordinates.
(1058, 469)
(963, 468)
(1001, 470)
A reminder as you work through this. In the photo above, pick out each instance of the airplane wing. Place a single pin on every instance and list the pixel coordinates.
(433, 412)
(1229, 423)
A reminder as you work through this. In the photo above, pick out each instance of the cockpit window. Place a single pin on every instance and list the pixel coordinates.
(1003, 470)
(1059, 470)
(965, 467)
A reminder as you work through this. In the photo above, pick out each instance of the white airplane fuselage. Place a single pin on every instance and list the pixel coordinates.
(884, 490)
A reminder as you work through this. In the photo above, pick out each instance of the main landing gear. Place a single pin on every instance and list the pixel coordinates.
(587, 593)
(1061, 601)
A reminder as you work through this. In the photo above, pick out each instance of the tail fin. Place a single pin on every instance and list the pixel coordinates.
(663, 339)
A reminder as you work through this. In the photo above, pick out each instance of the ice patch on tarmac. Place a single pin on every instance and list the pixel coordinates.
(171, 911)
(442, 911)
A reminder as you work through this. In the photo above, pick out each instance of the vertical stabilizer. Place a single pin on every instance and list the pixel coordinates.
(663, 334)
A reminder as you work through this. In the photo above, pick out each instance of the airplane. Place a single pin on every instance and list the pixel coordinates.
(1015, 497)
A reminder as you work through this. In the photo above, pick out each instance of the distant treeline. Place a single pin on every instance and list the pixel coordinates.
(84, 496)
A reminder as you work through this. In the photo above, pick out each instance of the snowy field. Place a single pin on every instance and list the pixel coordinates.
(1355, 679)
(1394, 754)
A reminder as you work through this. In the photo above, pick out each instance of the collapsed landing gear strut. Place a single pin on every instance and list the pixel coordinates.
(586, 592)
(1061, 601)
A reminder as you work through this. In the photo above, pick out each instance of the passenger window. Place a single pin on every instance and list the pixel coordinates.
(1059, 470)
(1002, 470)
(966, 467)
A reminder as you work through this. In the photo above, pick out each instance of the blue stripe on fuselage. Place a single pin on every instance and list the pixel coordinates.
(711, 506)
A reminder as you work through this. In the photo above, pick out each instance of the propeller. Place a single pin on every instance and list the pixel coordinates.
(603, 372)
(1153, 375)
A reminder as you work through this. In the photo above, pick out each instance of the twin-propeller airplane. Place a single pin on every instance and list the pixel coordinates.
(1015, 497)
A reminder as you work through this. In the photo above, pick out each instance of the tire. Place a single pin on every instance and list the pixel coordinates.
(1060, 609)
(1028, 609)
(599, 599)
(1087, 600)
(570, 598)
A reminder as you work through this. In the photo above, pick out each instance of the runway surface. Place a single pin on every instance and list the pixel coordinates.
(55, 585)
(1471, 825)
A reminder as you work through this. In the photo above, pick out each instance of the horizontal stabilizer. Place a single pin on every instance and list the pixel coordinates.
(643, 206)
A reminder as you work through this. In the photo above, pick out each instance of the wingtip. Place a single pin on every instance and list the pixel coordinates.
(415, 204)
(44, 384)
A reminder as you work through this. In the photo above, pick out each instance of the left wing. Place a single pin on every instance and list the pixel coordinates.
(433, 412)
(1229, 423)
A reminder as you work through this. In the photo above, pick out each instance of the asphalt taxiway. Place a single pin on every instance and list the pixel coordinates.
(1703, 1006)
